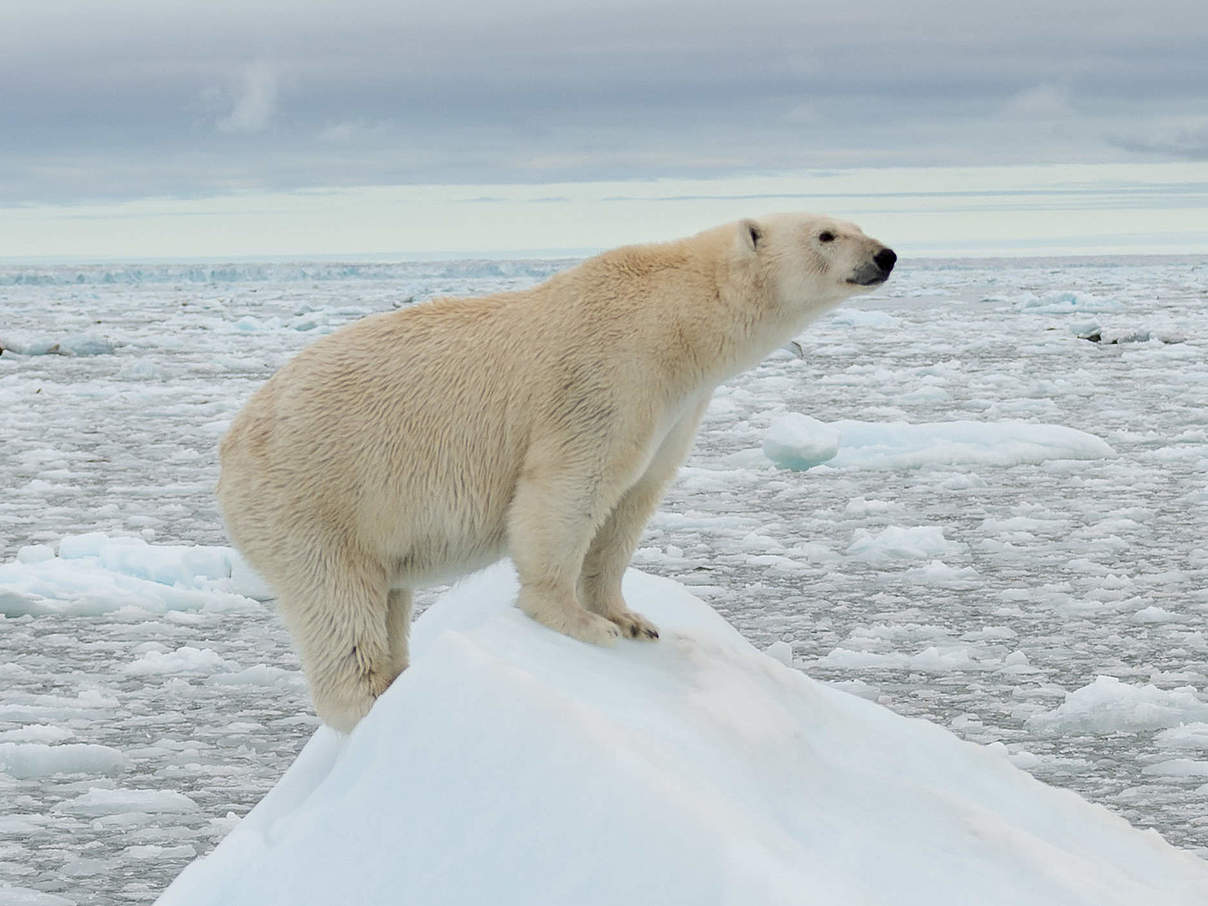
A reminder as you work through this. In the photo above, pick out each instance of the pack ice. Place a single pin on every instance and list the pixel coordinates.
(512, 765)
(796, 441)
(95, 573)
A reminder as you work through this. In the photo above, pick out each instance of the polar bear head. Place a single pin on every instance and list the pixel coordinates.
(811, 262)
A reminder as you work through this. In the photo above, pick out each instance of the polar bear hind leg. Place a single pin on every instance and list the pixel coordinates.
(341, 623)
(398, 627)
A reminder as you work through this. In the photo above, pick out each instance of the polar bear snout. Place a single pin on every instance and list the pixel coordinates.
(876, 271)
(885, 260)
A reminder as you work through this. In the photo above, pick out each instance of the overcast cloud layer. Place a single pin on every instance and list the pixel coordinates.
(135, 99)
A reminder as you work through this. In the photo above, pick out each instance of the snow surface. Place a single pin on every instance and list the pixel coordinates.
(513, 765)
(1069, 569)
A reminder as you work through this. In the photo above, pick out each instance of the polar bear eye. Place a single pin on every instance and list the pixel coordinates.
(826, 236)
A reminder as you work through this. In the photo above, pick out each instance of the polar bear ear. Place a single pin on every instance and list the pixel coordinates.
(750, 234)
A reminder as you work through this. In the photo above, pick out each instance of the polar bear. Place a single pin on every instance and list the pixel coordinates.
(418, 445)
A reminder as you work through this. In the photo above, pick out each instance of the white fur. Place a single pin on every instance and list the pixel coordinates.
(419, 445)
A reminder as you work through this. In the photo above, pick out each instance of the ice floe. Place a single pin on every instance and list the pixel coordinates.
(700, 771)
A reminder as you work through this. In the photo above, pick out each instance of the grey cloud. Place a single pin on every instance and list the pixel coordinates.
(154, 98)
(255, 102)
(1185, 142)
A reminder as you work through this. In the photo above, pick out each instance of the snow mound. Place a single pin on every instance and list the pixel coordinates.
(512, 765)
(1110, 706)
(96, 574)
(902, 445)
(796, 441)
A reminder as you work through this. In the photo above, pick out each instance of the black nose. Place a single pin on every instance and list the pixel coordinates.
(885, 260)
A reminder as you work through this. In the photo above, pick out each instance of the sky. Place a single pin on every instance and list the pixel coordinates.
(161, 128)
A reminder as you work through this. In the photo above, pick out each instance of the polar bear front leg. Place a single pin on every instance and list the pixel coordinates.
(609, 555)
(612, 548)
(550, 524)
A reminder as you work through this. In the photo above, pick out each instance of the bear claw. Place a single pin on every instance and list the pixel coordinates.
(634, 625)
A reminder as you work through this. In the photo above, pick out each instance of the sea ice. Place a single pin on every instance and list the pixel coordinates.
(186, 659)
(82, 344)
(155, 851)
(34, 759)
(897, 542)
(857, 317)
(85, 344)
(933, 659)
(796, 441)
(25, 896)
(1178, 767)
(98, 802)
(35, 553)
(1097, 564)
(901, 445)
(937, 572)
(1108, 706)
(711, 772)
(1068, 302)
(1152, 614)
(1185, 736)
(781, 651)
(43, 733)
(95, 574)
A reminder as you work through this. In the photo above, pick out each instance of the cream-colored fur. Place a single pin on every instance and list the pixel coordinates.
(416, 446)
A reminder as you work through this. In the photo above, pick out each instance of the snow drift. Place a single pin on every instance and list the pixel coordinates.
(512, 765)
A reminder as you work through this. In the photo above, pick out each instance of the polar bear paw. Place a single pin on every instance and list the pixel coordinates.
(586, 627)
(569, 619)
(634, 625)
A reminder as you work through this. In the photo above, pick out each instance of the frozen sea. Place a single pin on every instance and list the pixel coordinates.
(1052, 601)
